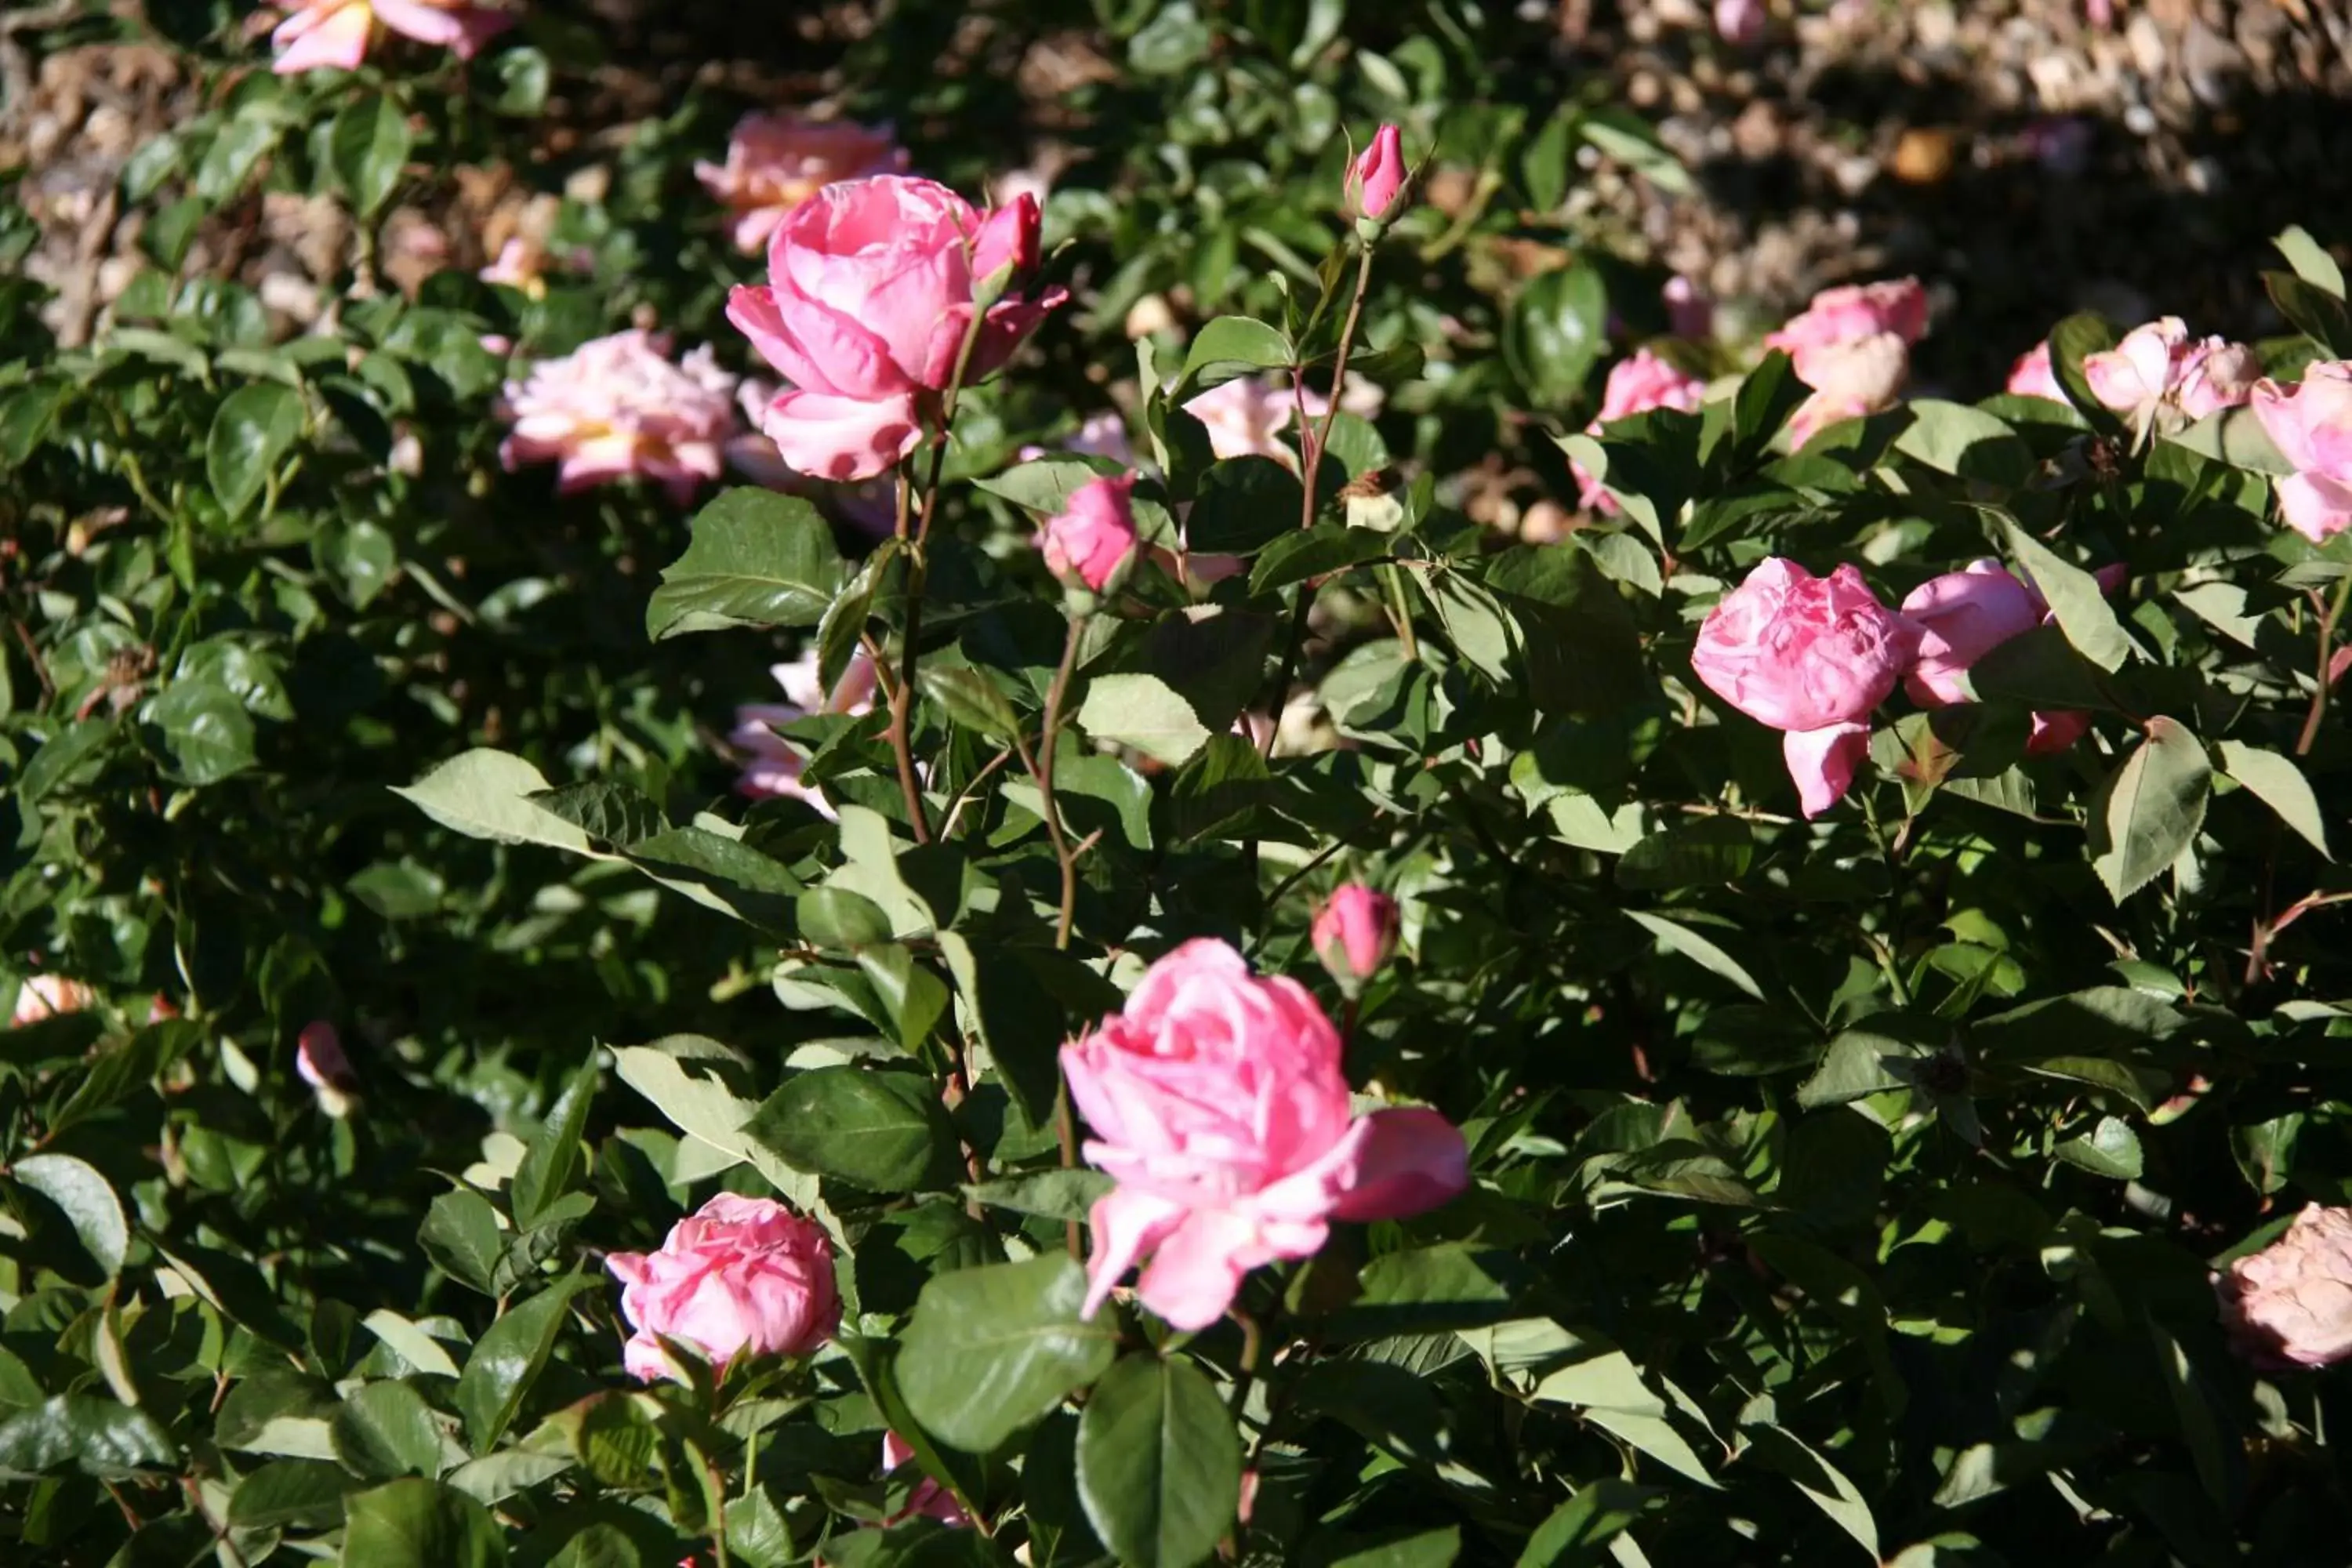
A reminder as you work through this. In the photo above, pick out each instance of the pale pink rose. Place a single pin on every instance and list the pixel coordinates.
(929, 1500)
(2032, 375)
(2159, 378)
(772, 767)
(616, 406)
(1963, 616)
(523, 263)
(1850, 380)
(1090, 542)
(2312, 429)
(1102, 435)
(48, 996)
(1217, 1103)
(319, 1061)
(1636, 385)
(1856, 310)
(775, 161)
(1740, 22)
(336, 33)
(1354, 934)
(1822, 762)
(1377, 175)
(738, 1276)
(870, 292)
(1247, 416)
(1801, 652)
(1689, 312)
(2290, 1305)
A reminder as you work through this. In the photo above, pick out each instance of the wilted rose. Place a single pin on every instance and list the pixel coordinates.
(1854, 311)
(1217, 1104)
(1637, 383)
(738, 1276)
(2311, 427)
(2159, 378)
(2290, 1305)
(775, 161)
(616, 406)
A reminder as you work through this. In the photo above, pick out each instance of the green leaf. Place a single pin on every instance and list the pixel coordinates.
(2075, 598)
(1556, 330)
(461, 1235)
(1020, 1019)
(607, 811)
(410, 1343)
(1767, 396)
(970, 699)
(1244, 504)
(97, 1437)
(2150, 808)
(205, 728)
(1230, 346)
(990, 1350)
(1159, 1465)
(1707, 851)
(304, 1493)
(486, 793)
(2278, 784)
(1823, 1483)
(1044, 485)
(1145, 713)
(1674, 937)
(1050, 1195)
(758, 559)
(1426, 1289)
(549, 1160)
(507, 1360)
(1577, 639)
(1608, 1388)
(87, 1200)
(25, 416)
(235, 149)
(2315, 313)
(1954, 439)
(251, 432)
(885, 1131)
(385, 1429)
(2310, 260)
(2109, 1149)
(697, 1084)
(1309, 552)
(367, 147)
(420, 1524)
(1575, 1534)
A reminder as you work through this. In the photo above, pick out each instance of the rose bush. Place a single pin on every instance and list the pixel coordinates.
(1382, 920)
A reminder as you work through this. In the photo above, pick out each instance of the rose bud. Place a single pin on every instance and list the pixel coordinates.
(2290, 1305)
(1090, 543)
(319, 1061)
(739, 1276)
(1377, 175)
(1354, 933)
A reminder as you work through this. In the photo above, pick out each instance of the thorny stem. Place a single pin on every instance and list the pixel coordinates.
(1311, 444)
(2327, 623)
(1045, 771)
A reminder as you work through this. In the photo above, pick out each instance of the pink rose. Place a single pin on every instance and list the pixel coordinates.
(48, 996)
(1740, 22)
(929, 1500)
(1376, 176)
(2055, 732)
(773, 768)
(2158, 377)
(1849, 379)
(2290, 1305)
(1856, 310)
(775, 161)
(1217, 1104)
(1636, 385)
(869, 295)
(739, 1276)
(2312, 429)
(1963, 616)
(616, 406)
(1822, 764)
(336, 33)
(1090, 542)
(1102, 435)
(1247, 416)
(1799, 652)
(319, 1061)
(2032, 375)
(1354, 933)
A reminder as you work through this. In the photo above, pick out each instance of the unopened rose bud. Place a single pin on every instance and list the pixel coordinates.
(1090, 544)
(1354, 934)
(1377, 175)
(319, 1061)
(1006, 247)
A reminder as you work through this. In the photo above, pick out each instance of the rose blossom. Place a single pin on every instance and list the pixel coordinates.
(1963, 616)
(2311, 427)
(337, 32)
(2290, 1305)
(775, 161)
(1100, 434)
(1217, 1104)
(2159, 378)
(871, 288)
(2032, 375)
(1354, 934)
(1740, 22)
(1090, 542)
(319, 1061)
(48, 996)
(737, 1276)
(1805, 654)
(1856, 310)
(1636, 385)
(929, 1500)
(1850, 381)
(1376, 176)
(1247, 416)
(616, 406)
(774, 766)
